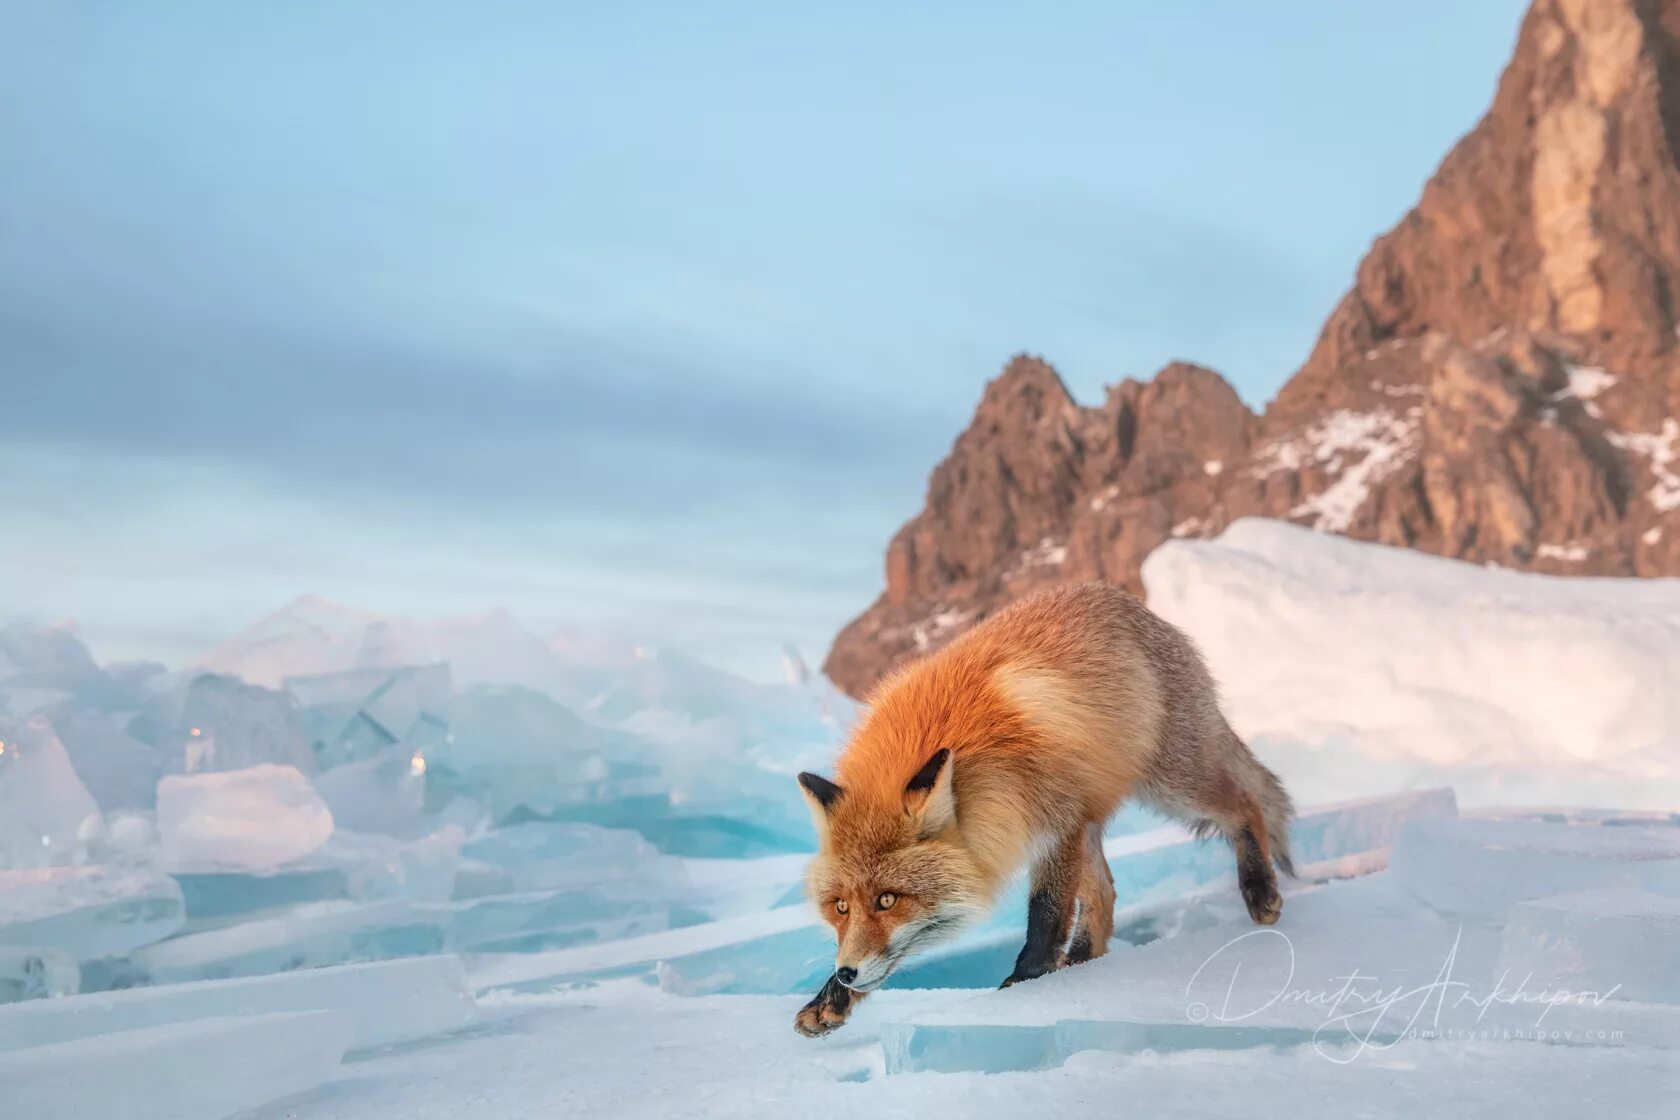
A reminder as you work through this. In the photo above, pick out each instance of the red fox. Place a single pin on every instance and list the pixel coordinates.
(1010, 748)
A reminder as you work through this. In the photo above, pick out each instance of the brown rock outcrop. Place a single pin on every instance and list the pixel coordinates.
(1502, 383)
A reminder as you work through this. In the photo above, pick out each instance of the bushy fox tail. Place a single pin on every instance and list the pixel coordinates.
(1276, 810)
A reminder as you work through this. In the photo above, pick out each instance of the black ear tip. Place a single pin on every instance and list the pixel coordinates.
(929, 773)
(819, 787)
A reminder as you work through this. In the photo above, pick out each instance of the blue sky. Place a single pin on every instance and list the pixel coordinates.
(646, 315)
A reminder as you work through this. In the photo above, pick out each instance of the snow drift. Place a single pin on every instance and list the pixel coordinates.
(1355, 668)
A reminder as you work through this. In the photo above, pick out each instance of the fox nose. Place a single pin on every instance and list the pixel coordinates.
(845, 975)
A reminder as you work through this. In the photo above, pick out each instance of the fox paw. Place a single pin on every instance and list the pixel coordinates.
(1264, 902)
(818, 1018)
(1033, 971)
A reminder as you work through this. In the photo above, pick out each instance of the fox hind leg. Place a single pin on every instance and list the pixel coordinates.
(1219, 787)
(1255, 877)
(1095, 924)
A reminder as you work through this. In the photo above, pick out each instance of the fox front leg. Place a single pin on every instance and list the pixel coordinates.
(1050, 909)
(828, 1009)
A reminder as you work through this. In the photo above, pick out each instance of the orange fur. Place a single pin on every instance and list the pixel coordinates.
(1009, 748)
(1049, 721)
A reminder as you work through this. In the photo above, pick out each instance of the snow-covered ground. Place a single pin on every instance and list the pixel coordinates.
(1356, 669)
(355, 866)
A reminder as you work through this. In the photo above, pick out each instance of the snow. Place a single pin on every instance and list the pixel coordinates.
(1354, 967)
(1569, 553)
(88, 912)
(1353, 668)
(1048, 553)
(938, 624)
(638, 1054)
(386, 1003)
(1380, 442)
(46, 814)
(240, 820)
(1661, 451)
(1585, 383)
(1622, 941)
(201, 1070)
(1479, 870)
(32, 974)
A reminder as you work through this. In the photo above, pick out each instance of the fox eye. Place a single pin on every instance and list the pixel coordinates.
(840, 905)
(885, 902)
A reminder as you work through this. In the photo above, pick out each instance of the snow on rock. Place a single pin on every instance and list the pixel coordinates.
(207, 1069)
(255, 819)
(1362, 448)
(1584, 384)
(47, 816)
(1477, 870)
(89, 912)
(1356, 668)
(310, 935)
(29, 974)
(1621, 941)
(387, 1002)
(1661, 451)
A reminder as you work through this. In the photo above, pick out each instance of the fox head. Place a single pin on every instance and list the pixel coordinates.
(891, 874)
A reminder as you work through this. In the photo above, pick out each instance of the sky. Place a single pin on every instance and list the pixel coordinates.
(648, 316)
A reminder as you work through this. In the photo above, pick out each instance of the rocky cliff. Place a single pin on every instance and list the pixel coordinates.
(1502, 383)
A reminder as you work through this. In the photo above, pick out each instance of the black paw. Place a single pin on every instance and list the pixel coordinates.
(1263, 901)
(1027, 972)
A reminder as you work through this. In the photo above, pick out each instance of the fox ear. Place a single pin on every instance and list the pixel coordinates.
(820, 795)
(930, 798)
